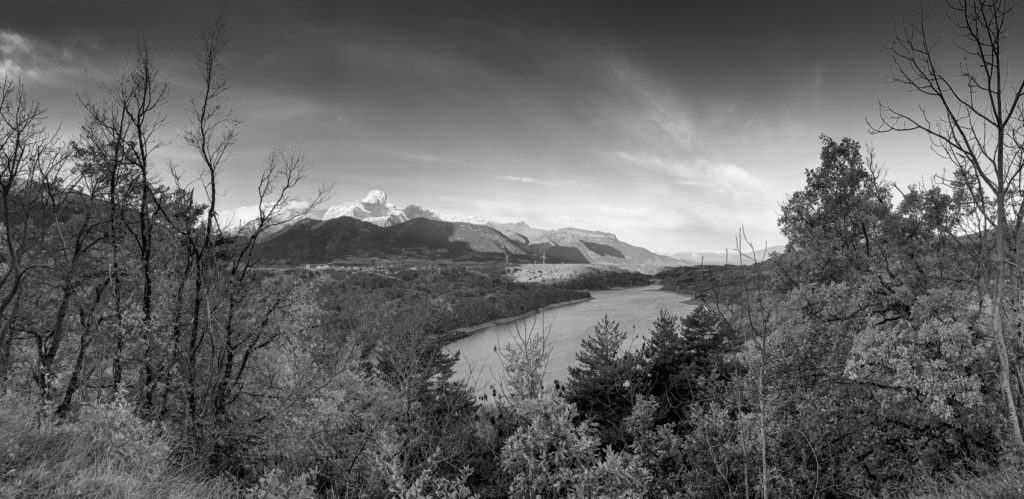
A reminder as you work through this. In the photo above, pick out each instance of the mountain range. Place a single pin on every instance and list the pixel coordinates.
(375, 227)
(375, 208)
(731, 257)
(344, 238)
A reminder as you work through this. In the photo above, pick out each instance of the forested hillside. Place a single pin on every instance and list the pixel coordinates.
(145, 351)
(442, 300)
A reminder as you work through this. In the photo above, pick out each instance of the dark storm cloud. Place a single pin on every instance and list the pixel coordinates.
(634, 111)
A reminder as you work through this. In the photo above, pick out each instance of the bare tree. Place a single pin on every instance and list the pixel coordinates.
(25, 149)
(140, 93)
(222, 261)
(238, 337)
(754, 317)
(977, 123)
(74, 230)
(132, 124)
(102, 155)
(211, 133)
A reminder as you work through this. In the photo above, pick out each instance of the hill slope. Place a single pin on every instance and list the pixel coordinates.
(323, 241)
(374, 227)
(587, 246)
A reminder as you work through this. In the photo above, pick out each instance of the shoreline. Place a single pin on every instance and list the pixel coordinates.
(462, 332)
(692, 299)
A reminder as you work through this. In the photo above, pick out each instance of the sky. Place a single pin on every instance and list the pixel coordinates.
(670, 124)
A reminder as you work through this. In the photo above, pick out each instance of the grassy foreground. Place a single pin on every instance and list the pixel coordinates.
(999, 484)
(106, 452)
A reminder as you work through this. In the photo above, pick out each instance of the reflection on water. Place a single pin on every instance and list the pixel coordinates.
(635, 310)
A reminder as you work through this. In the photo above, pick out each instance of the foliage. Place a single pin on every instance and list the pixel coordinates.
(455, 297)
(271, 486)
(426, 484)
(551, 455)
(876, 365)
(683, 357)
(603, 383)
(836, 216)
(525, 360)
(605, 278)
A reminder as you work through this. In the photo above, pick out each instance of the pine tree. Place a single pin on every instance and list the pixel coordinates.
(681, 354)
(604, 382)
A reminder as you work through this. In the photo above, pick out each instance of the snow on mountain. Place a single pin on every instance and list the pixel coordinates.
(373, 208)
(375, 197)
(568, 244)
(458, 217)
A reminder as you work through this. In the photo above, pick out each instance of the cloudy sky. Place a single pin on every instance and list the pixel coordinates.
(668, 123)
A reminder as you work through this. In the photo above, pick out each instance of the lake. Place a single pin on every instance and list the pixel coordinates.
(633, 308)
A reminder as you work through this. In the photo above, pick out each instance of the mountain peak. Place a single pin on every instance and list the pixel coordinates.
(373, 208)
(375, 197)
(425, 232)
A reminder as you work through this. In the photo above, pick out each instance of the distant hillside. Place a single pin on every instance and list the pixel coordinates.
(726, 284)
(323, 241)
(588, 246)
(730, 257)
(425, 234)
(422, 233)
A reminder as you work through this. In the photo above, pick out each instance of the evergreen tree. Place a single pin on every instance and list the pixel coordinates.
(604, 382)
(682, 355)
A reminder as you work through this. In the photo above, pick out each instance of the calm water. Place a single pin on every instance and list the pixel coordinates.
(635, 310)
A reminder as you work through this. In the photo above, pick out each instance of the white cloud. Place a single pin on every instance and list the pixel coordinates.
(426, 158)
(15, 51)
(33, 59)
(657, 114)
(13, 43)
(525, 180)
(700, 173)
(533, 180)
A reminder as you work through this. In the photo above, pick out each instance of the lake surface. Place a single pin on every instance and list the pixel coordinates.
(633, 308)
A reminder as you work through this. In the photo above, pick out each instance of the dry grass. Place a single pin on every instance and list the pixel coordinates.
(107, 453)
(1006, 483)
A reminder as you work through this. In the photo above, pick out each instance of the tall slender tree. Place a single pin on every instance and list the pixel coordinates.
(976, 121)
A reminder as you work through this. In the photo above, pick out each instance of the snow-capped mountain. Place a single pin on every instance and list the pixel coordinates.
(458, 217)
(415, 229)
(588, 246)
(373, 208)
(570, 245)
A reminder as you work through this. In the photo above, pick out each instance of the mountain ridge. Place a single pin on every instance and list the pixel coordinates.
(374, 226)
(567, 244)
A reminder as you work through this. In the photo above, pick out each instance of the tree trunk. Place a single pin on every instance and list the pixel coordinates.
(999, 329)
(763, 435)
